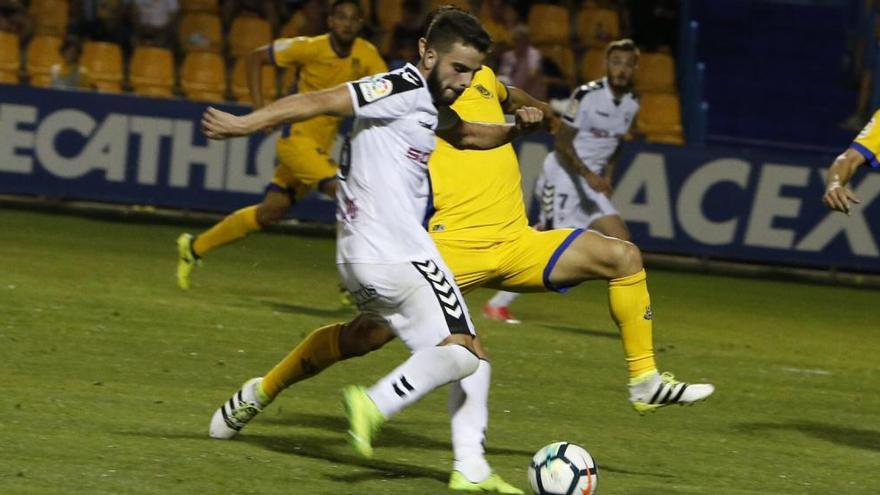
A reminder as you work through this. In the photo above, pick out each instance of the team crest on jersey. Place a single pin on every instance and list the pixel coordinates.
(483, 91)
(375, 89)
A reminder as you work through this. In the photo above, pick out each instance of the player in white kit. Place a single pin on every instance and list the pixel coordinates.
(574, 187)
(384, 254)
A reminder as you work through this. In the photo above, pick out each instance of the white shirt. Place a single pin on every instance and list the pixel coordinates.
(600, 122)
(156, 13)
(384, 188)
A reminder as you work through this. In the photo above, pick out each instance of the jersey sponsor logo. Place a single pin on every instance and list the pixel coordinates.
(418, 155)
(604, 133)
(483, 91)
(375, 89)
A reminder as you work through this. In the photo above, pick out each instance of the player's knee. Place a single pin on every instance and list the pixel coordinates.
(268, 215)
(626, 259)
(462, 357)
(364, 334)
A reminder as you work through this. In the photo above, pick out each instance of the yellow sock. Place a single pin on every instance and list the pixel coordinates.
(319, 350)
(235, 226)
(631, 309)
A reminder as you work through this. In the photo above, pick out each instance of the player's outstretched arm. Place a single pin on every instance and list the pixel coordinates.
(517, 98)
(217, 124)
(568, 157)
(480, 136)
(837, 196)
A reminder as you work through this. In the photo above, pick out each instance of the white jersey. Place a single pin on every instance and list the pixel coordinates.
(383, 174)
(600, 122)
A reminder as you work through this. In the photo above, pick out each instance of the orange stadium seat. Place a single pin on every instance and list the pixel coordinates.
(563, 57)
(293, 26)
(593, 64)
(246, 33)
(151, 71)
(104, 62)
(203, 76)
(660, 118)
(50, 16)
(549, 24)
(656, 73)
(240, 87)
(597, 26)
(42, 53)
(200, 32)
(206, 6)
(10, 57)
(389, 13)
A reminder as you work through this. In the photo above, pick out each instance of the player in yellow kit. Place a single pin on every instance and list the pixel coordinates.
(304, 163)
(862, 151)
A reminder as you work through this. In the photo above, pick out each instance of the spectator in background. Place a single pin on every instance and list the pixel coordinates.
(406, 34)
(499, 18)
(155, 22)
(308, 19)
(14, 18)
(521, 66)
(70, 74)
(101, 20)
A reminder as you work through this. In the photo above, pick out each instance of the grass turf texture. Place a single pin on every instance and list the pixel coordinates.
(109, 375)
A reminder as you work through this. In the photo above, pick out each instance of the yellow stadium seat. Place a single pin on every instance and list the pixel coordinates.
(660, 118)
(549, 24)
(10, 57)
(104, 62)
(42, 53)
(248, 32)
(656, 73)
(200, 32)
(563, 57)
(597, 26)
(50, 16)
(294, 26)
(593, 65)
(240, 87)
(151, 71)
(206, 6)
(203, 76)
(389, 13)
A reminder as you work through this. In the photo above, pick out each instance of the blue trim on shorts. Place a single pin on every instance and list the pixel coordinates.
(872, 159)
(275, 187)
(555, 257)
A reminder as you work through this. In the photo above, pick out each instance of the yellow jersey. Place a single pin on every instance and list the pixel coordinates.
(477, 194)
(319, 67)
(868, 141)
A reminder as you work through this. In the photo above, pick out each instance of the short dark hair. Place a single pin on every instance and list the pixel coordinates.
(337, 3)
(624, 45)
(448, 25)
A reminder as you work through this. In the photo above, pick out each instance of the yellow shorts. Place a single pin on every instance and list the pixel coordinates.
(522, 264)
(302, 166)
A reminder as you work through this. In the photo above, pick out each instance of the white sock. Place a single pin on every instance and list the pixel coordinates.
(424, 371)
(469, 411)
(502, 299)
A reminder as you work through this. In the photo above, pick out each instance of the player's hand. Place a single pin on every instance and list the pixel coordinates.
(529, 119)
(217, 124)
(839, 197)
(598, 183)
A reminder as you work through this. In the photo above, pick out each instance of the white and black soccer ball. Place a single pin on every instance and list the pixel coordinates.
(563, 468)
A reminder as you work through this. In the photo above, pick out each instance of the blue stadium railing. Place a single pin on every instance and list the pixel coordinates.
(691, 77)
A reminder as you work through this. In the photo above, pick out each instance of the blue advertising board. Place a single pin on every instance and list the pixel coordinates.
(731, 203)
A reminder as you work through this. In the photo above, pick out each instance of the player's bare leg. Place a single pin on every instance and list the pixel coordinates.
(611, 226)
(595, 256)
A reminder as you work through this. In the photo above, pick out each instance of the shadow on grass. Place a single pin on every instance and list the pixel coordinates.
(850, 437)
(582, 331)
(336, 313)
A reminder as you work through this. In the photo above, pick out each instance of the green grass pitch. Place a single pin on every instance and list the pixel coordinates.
(109, 376)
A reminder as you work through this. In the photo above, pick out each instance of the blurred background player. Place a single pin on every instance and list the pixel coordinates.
(862, 151)
(304, 163)
(576, 182)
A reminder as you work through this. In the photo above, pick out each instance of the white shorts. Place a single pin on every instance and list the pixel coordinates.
(420, 300)
(566, 201)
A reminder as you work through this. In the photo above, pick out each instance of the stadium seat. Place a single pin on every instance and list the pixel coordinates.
(42, 53)
(389, 13)
(660, 118)
(549, 24)
(203, 6)
(597, 26)
(10, 57)
(240, 87)
(294, 26)
(593, 65)
(563, 57)
(151, 71)
(246, 33)
(656, 73)
(50, 16)
(104, 62)
(203, 76)
(436, 4)
(200, 32)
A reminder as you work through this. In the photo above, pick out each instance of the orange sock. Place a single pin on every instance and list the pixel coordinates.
(318, 351)
(630, 307)
(235, 226)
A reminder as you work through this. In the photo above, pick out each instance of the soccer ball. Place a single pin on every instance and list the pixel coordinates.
(563, 468)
